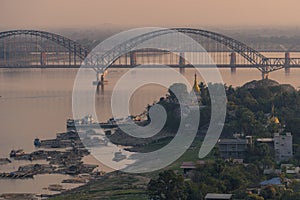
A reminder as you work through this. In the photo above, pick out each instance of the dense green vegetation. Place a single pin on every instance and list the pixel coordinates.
(258, 109)
(253, 109)
(250, 108)
(168, 186)
(218, 177)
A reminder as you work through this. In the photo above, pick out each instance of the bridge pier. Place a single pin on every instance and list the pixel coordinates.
(100, 79)
(75, 56)
(133, 62)
(43, 58)
(265, 75)
(233, 62)
(181, 63)
(70, 58)
(287, 61)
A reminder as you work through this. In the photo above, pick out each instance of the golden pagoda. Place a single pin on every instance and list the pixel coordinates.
(273, 118)
(196, 87)
(196, 91)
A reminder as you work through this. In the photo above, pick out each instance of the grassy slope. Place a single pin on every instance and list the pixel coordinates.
(115, 186)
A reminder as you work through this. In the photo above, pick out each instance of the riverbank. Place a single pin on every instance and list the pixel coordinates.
(119, 186)
(64, 156)
(115, 185)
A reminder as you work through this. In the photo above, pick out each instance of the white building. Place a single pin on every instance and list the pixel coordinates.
(283, 145)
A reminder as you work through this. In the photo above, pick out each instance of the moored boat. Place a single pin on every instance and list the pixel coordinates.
(89, 122)
(119, 156)
(16, 153)
(37, 142)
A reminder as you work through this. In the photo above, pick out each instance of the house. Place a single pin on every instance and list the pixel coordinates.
(232, 148)
(293, 170)
(283, 145)
(236, 161)
(188, 166)
(290, 168)
(269, 171)
(214, 196)
(273, 181)
(254, 190)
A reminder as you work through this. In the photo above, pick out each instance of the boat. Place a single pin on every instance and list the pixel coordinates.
(56, 188)
(89, 122)
(4, 161)
(37, 142)
(17, 153)
(119, 156)
(94, 142)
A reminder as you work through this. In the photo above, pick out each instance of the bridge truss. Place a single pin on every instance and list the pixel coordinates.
(40, 48)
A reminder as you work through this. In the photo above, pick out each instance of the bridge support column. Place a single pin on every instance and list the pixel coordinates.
(133, 62)
(233, 62)
(287, 62)
(100, 79)
(75, 57)
(265, 75)
(4, 52)
(70, 58)
(181, 63)
(43, 59)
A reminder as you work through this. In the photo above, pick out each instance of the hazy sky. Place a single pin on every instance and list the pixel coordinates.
(94, 13)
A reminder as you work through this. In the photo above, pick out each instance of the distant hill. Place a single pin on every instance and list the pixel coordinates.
(267, 83)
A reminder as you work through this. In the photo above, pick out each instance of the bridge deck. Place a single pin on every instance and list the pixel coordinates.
(129, 66)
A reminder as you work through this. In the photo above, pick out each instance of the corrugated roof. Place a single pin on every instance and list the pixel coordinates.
(265, 140)
(192, 165)
(232, 141)
(273, 181)
(188, 165)
(218, 196)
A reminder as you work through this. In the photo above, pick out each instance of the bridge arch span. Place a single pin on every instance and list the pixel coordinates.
(253, 56)
(69, 44)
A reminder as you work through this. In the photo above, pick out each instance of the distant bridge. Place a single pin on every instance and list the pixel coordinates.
(40, 49)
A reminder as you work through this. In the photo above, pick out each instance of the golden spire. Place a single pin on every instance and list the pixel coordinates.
(196, 87)
(273, 109)
(273, 117)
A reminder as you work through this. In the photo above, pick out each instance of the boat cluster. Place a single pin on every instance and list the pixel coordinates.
(63, 155)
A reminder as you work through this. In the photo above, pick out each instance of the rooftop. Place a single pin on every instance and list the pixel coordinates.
(265, 140)
(232, 141)
(188, 165)
(273, 181)
(192, 165)
(282, 134)
(218, 196)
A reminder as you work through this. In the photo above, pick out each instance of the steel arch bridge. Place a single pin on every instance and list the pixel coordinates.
(258, 60)
(253, 56)
(73, 47)
(101, 63)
